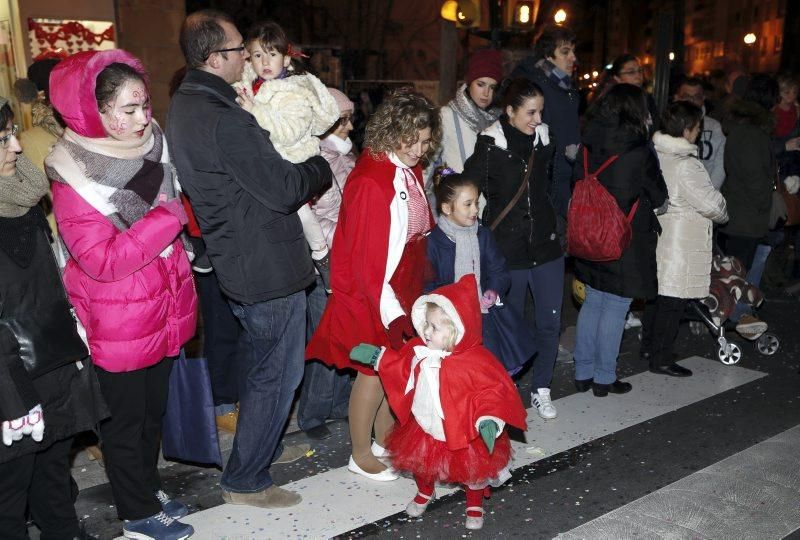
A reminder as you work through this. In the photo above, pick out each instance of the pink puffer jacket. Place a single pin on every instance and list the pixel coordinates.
(137, 307)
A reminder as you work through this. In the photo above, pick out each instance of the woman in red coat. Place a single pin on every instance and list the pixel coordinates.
(376, 260)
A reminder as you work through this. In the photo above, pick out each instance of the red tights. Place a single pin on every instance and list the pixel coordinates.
(474, 496)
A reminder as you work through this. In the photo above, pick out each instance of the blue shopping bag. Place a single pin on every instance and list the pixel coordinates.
(190, 430)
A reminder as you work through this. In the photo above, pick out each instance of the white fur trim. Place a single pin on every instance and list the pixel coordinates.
(380, 356)
(500, 424)
(398, 229)
(418, 313)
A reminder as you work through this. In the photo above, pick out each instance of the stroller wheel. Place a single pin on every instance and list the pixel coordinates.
(729, 354)
(768, 344)
(696, 327)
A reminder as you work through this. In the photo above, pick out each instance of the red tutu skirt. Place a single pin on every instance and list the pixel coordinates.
(412, 450)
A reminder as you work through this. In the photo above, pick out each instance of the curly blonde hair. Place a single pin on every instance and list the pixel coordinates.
(399, 120)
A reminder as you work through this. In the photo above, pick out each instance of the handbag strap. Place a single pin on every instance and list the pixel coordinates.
(460, 138)
(517, 195)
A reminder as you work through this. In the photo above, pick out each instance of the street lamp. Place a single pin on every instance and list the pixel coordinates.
(449, 10)
(750, 38)
(560, 17)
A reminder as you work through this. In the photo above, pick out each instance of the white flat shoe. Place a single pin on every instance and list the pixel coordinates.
(415, 509)
(474, 523)
(378, 451)
(386, 475)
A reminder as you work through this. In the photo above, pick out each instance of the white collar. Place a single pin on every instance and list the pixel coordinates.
(343, 146)
(396, 161)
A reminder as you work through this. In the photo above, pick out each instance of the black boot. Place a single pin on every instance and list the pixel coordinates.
(617, 387)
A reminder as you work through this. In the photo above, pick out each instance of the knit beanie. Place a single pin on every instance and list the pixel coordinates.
(485, 63)
(342, 101)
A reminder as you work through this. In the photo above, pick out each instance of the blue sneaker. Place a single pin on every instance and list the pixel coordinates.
(157, 527)
(171, 507)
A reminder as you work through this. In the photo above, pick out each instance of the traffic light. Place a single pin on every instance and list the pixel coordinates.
(468, 14)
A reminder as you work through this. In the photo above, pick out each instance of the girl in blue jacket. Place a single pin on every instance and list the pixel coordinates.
(460, 245)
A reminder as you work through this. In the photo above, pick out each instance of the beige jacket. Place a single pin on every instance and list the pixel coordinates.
(683, 254)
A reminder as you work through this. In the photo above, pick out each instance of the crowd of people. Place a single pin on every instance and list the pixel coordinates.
(409, 262)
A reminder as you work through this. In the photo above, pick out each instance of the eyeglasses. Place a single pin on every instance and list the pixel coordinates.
(238, 49)
(6, 139)
(637, 71)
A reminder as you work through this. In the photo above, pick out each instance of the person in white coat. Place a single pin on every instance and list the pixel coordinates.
(683, 254)
(468, 113)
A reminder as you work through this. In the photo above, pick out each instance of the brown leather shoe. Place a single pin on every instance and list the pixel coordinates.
(227, 422)
(272, 497)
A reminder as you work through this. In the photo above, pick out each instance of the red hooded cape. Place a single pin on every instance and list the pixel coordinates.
(472, 382)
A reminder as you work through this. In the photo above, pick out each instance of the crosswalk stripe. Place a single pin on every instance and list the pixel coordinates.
(752, 494)
(338, 501)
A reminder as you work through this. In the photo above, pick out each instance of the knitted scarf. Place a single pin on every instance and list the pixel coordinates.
(468, 251)
(554, 74)
(476, 118)
(123, 180)
(22, 190)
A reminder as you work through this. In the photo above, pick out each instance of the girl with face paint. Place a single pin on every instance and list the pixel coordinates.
(127, 272)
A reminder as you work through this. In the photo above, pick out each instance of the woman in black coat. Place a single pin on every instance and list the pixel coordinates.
(618, 126)
(527, 234)
(46, 395)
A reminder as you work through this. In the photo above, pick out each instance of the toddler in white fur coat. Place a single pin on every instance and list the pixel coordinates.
(294, 106)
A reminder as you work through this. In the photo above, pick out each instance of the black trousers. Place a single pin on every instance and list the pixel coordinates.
(660, 327)
(130, 438)
(222, 339)
(741, 247)
(42, 482)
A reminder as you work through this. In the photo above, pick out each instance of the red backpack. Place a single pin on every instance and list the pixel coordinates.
(597, 230)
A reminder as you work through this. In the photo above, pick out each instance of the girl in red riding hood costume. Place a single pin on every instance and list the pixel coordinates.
(452, 399)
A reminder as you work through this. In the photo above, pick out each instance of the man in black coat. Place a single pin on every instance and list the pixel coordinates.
(550, 66)
(245, 198)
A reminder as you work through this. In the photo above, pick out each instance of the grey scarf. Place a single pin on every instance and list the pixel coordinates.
(476, 118)
(22, 190)
(468, 251)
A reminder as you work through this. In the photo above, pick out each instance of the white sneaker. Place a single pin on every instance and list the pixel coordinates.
(544, 405)
(632, 321)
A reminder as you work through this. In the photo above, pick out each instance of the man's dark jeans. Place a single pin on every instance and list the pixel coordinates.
(268, 378)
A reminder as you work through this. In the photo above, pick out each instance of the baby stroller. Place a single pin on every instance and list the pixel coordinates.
(729, 286)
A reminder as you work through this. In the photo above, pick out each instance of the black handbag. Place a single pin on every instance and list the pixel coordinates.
(48, 338)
